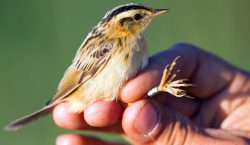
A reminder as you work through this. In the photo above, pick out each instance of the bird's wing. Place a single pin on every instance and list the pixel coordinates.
(89, 61)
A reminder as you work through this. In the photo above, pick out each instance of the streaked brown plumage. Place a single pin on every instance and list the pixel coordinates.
(114, 51)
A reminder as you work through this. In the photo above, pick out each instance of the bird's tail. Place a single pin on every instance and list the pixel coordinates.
(13, 126)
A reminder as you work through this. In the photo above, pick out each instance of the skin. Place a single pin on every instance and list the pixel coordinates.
(217, 115)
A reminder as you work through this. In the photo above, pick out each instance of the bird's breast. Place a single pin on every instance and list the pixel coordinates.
(105, 85)
(123, 65)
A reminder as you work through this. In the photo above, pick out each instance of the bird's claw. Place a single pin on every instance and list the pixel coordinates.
(168, 84)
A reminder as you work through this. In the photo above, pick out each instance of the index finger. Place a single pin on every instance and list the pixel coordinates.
(207, 72)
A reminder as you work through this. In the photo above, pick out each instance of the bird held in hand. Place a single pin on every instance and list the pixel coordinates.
(114, 51)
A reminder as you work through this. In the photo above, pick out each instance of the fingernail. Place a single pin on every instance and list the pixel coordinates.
(147, 119)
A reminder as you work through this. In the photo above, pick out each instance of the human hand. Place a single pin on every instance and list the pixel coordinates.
(218, 114)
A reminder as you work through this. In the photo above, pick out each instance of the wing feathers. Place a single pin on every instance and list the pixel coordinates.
(84, 66)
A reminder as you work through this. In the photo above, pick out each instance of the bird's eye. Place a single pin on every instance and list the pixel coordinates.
(137, 17)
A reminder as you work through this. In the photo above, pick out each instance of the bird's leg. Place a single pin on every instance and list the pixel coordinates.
(168, 84)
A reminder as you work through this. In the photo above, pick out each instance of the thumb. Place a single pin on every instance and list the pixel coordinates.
(147, 122)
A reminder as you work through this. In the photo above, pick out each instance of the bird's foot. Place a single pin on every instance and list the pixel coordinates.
(169, 85)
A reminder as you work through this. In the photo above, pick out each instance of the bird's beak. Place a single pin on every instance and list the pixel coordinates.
(160, 11)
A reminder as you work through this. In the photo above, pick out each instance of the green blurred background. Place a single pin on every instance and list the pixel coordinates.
(38, 40)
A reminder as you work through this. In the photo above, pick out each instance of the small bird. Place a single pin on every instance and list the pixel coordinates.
(114, 51)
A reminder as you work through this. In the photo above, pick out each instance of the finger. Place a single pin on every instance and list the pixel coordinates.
(102, 113)
(98, 114)
(238, 120)
(136, 88)
(64, 119)
(76, 139)
(186, 106)
(229, 136)
(203, 69)
(147, 122)
(241, 133)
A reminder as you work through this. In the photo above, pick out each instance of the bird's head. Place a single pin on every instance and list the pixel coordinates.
(129, 19)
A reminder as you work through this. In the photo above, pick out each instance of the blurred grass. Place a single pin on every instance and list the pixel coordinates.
(38, 39)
